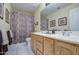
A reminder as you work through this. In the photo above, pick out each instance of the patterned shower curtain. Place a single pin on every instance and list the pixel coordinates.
(22, 26)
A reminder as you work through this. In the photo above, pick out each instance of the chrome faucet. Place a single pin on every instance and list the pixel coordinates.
(66, 32)
(63, 33)
(69, 33)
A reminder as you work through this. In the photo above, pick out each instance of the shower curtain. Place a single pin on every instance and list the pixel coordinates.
(22, 26)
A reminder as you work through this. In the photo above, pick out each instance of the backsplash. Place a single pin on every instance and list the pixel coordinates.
(68, 32)
(75, 32)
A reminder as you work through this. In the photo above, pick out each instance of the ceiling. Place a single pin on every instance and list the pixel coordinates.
(53, 7)
(30, 7)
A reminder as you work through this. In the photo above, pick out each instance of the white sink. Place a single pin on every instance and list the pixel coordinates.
(73, 37)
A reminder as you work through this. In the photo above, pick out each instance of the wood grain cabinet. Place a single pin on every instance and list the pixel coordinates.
(48, 46)
(77, 50)
(33, 42)
(37, 44)
(62, 48)
(40, 45)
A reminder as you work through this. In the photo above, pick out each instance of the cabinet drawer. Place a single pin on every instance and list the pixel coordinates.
(64, 44)
(40, 39)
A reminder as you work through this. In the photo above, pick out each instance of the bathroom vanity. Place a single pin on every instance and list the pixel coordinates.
(54, 44)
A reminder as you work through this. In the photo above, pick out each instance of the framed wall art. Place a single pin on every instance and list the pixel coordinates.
(7, 15)
(62, 21)
(1, 10)
(52, 23)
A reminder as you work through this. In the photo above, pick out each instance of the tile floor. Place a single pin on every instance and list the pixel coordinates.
(19, 49)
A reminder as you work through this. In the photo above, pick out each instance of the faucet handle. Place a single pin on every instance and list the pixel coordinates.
(63, 32)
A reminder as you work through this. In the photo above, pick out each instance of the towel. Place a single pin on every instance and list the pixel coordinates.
(9, 35)
(1, 39)
(5, 38)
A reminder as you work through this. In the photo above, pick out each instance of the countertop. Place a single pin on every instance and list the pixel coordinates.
(70, 39)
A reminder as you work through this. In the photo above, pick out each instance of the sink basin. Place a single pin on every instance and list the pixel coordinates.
(65, 36)
(73, 36)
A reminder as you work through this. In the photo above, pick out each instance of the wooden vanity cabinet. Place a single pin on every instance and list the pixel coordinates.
(48, 46)
(62, 48)
(37, 44)
(33, 42)
(77, 50)
(40, 45)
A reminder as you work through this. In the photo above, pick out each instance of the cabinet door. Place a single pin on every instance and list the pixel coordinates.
(34, 43)
(62, 48)
(40, 45)
(48, 46)
(77, 50)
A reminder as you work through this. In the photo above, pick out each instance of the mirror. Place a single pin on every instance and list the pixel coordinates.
(60, 17)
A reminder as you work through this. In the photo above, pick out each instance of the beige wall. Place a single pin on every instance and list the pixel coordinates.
(20, 10)
(8, 6)
(3, 24)
(64, 12)
(37, 16)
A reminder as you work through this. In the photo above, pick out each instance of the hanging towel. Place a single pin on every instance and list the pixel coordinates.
(1, 39)
(9, 37)
(5, 38)
(11, 34)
